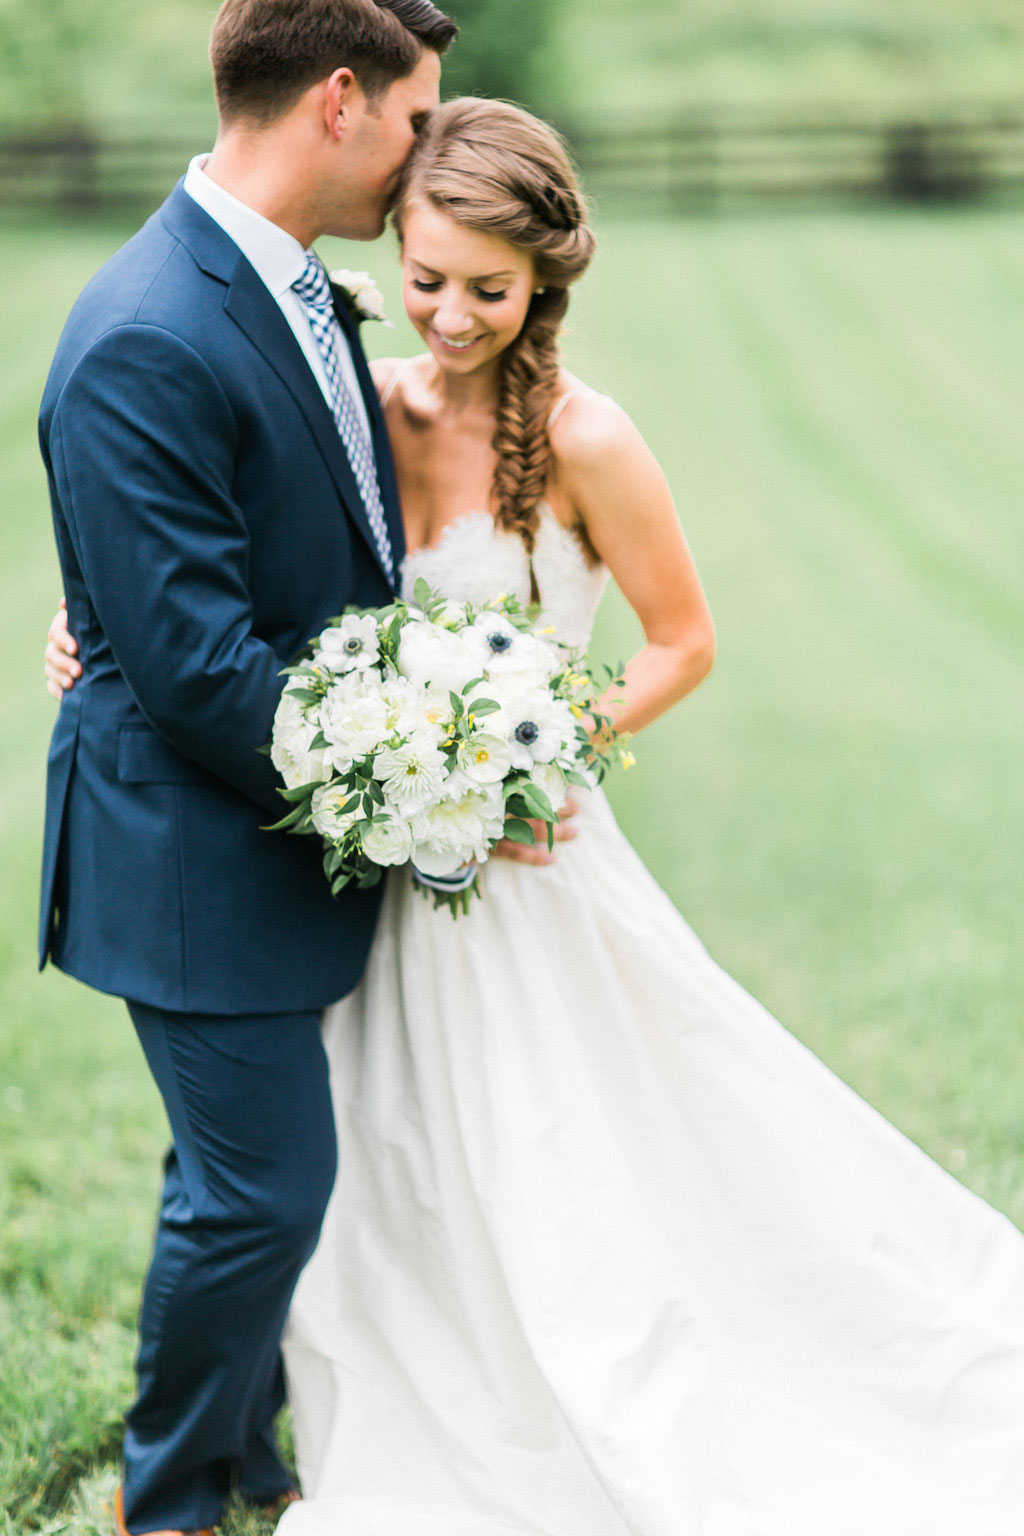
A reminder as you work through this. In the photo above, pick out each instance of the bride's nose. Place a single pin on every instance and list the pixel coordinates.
(452, 316)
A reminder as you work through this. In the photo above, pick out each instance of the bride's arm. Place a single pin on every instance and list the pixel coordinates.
(618, 491)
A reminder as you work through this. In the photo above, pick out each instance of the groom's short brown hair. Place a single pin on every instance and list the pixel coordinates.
(265, 53)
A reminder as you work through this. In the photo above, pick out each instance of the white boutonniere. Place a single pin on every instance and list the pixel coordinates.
(364, 297)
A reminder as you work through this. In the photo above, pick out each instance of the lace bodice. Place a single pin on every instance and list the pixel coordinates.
(475, 560)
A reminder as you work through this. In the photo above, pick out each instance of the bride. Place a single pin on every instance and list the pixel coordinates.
(611, 1253)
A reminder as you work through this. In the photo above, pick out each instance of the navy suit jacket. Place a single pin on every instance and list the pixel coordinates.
(208, 523)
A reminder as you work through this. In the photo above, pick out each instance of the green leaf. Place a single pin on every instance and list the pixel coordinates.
(287, 822)
(474, 682)
(422, 594)
(457, 705)
(538, 802)
(480, 708)
(304, 695)
(519, 831)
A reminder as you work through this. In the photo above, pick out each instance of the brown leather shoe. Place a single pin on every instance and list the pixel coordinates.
(120, 1529)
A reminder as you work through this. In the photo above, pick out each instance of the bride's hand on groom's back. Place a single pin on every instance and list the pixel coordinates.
(522, 853)
(60, 666)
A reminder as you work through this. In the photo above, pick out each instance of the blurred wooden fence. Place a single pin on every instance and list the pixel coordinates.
(682, 167)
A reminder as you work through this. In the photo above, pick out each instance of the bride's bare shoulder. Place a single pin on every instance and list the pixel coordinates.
(386, 372)
(588, 428)
(382, 369)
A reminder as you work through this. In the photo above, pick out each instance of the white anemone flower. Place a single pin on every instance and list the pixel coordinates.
(539, 727)
(501, 649)
(411, 775)
(351, 646)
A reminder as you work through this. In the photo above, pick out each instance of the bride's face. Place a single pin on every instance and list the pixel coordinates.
(467, 293)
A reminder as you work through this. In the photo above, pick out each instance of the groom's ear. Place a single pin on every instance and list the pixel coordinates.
(343, 97)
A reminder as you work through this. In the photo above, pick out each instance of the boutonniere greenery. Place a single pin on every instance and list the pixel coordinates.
(363, 297)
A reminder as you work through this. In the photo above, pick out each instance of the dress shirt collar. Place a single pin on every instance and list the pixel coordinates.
(276, 256)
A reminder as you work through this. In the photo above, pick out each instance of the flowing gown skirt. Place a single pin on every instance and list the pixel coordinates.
(611, 1252)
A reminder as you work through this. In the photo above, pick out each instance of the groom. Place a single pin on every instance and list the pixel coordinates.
(221, 484)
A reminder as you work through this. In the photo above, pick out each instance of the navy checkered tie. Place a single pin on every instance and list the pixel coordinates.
(314, 290)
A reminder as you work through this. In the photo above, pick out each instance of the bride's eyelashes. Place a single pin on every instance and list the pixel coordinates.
(487, 295)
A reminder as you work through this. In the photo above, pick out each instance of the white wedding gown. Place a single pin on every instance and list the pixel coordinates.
(611, 1253)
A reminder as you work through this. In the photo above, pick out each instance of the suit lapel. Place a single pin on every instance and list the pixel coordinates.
(378, 428)
(256, 313)
(253, 309)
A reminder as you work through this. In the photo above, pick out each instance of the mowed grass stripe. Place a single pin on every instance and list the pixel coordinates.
(868, 421)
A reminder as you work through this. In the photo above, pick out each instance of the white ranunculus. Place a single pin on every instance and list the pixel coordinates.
(501, 649)
(351, 646)
(290, 751)
(539, 727)
(452, 833)
(329, 816)
(355, 718)
(485, 758)
(436, 657)
(452, 616)
(404, 702)
(389, 842)
(412, 775)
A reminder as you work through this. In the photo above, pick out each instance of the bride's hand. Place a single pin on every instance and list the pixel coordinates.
(522, 853)
(60, 668)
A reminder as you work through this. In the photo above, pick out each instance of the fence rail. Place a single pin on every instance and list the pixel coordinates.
(682, 167)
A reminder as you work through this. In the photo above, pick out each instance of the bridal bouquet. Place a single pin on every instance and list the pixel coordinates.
(423, 733)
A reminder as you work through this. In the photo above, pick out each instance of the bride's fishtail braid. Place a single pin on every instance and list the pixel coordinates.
(527, 388)
(495, 168)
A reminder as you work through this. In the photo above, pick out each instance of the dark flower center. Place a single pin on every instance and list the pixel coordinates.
(527, 733)
(499, 642)
(353, 645)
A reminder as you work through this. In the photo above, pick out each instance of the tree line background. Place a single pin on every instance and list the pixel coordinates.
(669, 107)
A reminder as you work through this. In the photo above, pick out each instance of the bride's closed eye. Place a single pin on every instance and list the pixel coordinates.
(486, 294)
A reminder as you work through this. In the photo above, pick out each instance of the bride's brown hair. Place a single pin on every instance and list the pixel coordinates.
(495, 168)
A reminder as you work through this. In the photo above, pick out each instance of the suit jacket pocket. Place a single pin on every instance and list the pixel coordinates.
(143, 757)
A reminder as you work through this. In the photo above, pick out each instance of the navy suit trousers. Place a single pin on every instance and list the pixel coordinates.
(246, 1185)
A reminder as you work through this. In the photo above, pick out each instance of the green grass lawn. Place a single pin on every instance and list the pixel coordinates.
(838, 812)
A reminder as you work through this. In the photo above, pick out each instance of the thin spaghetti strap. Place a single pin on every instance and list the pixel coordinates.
(560, 405)
(389, 388)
